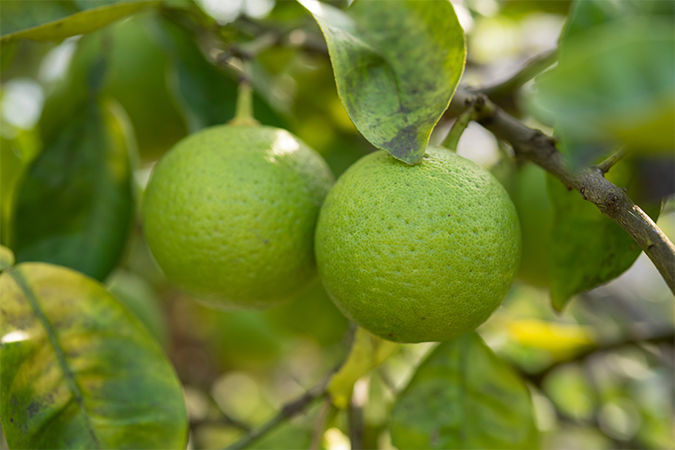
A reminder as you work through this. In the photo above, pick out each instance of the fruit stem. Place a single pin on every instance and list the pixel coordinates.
(462, 121)
(244, 111)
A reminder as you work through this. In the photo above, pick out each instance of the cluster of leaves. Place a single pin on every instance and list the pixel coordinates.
(84, 365)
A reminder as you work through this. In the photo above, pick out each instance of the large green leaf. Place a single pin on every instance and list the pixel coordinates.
(75, 206)
(463, 396)
(79, 370)
(56, 20)
(206, 94)
(587, 248)
(397, 65)
(613, 86)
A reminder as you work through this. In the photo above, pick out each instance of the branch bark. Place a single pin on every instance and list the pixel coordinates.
(287, 411)
(611, 200)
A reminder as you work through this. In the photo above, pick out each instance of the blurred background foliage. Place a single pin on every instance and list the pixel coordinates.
(600, 372)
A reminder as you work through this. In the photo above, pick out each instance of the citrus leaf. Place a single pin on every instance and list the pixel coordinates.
(613, 86)
(587, 248)
(56, 20)
(368, 351)
(397, 65)
(6, 257)
(75, 205)
(15, 157)
(463, 396)
(79, 370)
(206, 95)
(586, 14)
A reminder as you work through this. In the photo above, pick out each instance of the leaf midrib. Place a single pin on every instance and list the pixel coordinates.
(60, 355)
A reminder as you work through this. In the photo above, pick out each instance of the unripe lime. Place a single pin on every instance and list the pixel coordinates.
(230, 214)
(418, 253)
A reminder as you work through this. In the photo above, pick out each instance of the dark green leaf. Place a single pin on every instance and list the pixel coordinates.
(75, 206)
(206, 94)
(397, 65)
(56, 20)
(79, 370)
(15, 157)
(587, 248)
(464, 397)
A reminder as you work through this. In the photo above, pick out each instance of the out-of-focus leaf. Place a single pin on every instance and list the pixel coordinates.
(397, 65)
(586, 14)
(463, 396)
(6, 257)
(526, 185)
(368, 351)
(79, 370)
(560, 339)
(75, 205)
(614, 86)
(588, 248)
(15, 157)
(56, 20)
(206, 94)
(570, 391)
(139, 297)
(137, 79)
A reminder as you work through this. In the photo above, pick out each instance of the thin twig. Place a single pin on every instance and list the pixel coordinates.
(287, 411)
(607, 164)
(531, 68)
(355, 414)
(611, 200)
(320, 424)
(666, 337)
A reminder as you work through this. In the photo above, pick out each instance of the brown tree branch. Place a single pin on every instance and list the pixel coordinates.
(287, 411)
(611, 200)
(665, 337)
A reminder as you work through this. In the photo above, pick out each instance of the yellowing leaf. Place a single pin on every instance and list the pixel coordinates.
(79, 370)
(557, 338)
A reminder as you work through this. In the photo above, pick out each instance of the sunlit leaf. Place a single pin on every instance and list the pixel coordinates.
(79, 370)
(75, 206)
(56, 20)
(397, 65)
(462, 396)
(6, 257)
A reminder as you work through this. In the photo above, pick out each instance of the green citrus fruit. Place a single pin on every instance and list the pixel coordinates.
(418, 253)
(230, 213)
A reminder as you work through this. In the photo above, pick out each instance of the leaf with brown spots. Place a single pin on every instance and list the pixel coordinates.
(79, 370)
(397, 65)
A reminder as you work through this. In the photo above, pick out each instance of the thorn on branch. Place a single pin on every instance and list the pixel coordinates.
(607, 164)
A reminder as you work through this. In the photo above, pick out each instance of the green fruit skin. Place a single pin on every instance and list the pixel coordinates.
(418, 253)
(230, 213)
